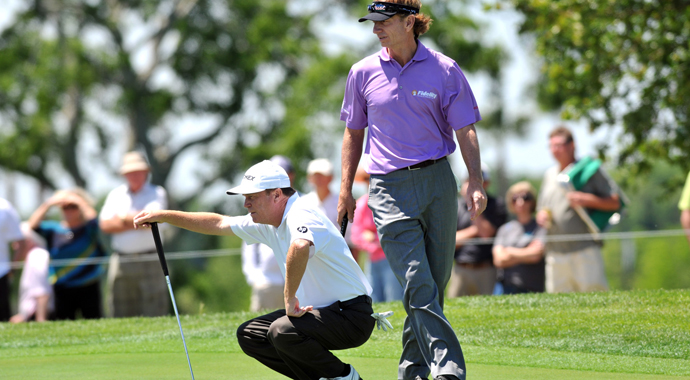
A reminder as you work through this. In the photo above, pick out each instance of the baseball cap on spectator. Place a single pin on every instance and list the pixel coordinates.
(133, 162)
(283, 162)
(321, 166)
(262, 176)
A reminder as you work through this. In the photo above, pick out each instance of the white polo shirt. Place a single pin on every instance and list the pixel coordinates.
(331, 274)
(121, 201)
(9, 232)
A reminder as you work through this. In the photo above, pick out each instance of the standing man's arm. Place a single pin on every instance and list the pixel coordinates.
(295, 265)
(469, 147)
(351, 153)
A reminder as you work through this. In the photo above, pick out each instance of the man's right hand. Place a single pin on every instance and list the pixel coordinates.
(346, 204)
(144, 219)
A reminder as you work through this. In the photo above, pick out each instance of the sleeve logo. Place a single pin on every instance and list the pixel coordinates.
(302, 229)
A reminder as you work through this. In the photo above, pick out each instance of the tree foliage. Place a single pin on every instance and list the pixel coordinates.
(213, 77)
(618, 63)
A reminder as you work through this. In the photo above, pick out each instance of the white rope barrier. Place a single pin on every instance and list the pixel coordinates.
(236, 251)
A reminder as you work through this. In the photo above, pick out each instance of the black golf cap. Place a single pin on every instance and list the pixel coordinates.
(379, 11)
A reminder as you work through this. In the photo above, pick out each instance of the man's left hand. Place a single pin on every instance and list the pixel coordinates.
(475, 198)
(292, 308)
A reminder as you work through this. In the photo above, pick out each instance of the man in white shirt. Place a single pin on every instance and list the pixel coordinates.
(36, 301)
(134, 285)
(9, 232)
(319, 272)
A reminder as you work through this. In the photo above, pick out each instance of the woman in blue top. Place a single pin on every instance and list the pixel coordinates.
(76, 285)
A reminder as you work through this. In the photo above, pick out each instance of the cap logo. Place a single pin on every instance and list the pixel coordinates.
(302, 229)
(249, 177)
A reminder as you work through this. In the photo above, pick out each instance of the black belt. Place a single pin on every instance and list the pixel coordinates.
(423, 164)
(358, 299)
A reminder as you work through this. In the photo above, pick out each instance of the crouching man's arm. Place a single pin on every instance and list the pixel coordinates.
(206, 223)
(295, 265)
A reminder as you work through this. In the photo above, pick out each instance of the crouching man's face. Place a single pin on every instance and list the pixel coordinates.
(263, 206)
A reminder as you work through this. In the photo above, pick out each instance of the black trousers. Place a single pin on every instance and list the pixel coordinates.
(5, 298)
(299, 348)
(87, 299)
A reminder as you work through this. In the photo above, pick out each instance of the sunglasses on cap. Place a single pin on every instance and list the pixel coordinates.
(525, 197)
(379, 7)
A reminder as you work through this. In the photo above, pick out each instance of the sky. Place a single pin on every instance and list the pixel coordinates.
(527, 155)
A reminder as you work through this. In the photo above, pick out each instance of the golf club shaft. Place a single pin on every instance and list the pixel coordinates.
(164, 266)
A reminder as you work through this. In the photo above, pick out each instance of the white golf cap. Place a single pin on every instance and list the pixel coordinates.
(320, 165)
(262, 176)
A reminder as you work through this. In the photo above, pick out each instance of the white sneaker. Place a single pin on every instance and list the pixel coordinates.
(352, 376)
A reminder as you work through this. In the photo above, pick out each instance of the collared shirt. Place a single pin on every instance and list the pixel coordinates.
(9, 232)
(121, 200)
(331, 274)
(411, 111)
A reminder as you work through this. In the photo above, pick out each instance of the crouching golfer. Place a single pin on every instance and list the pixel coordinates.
(319, 271)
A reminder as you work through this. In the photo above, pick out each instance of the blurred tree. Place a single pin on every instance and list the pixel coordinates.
(211, 77)
(617, 63)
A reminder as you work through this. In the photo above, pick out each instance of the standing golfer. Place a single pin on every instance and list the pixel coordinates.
(413, 100)
(327, 303)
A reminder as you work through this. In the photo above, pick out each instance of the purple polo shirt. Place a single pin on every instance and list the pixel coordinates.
(412, 111)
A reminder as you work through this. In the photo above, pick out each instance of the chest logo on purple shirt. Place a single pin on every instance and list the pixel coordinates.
(302, 229)
(424, 94)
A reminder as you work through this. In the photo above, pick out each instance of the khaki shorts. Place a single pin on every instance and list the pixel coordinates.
(581, 271)
(137, 288)
(471, 281)
(267, 297)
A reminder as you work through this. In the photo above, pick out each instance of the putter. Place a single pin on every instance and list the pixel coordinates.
(164, 265)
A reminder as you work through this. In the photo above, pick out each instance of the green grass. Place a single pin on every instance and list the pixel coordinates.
(614, 335)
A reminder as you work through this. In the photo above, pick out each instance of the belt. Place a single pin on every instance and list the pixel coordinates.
(423, 164)
(358, 299)
(479, 265)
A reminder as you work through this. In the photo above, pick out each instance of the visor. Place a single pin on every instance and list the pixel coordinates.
(379, 11)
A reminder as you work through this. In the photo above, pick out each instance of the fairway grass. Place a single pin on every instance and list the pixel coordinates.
(613, 335)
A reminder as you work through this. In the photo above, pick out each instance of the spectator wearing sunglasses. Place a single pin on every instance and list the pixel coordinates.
(519, 246)
(76, 285)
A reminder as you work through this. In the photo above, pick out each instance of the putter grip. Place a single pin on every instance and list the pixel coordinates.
(343, 225)
(159, 247)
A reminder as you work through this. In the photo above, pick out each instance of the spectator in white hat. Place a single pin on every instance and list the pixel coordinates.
(134, 286)
(326, 296)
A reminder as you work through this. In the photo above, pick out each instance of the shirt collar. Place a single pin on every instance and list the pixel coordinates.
(289, 204)
(420, 55)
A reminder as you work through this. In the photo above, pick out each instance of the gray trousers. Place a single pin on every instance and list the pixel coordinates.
(300, 348)
(416, 216)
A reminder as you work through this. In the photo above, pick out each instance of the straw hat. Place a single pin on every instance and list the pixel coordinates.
(133, 162)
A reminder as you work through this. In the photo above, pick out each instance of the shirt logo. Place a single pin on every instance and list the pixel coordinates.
(302, 229)
(249, 177)
(424, 94)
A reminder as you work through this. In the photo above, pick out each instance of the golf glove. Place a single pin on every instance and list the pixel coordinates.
(381, 321)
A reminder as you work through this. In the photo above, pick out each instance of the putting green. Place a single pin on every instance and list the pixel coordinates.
(212, 366)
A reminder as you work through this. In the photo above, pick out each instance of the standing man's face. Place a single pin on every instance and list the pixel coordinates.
(319, 180)
(391, 32)
(136, 180)
(561, 149)
(259, 206)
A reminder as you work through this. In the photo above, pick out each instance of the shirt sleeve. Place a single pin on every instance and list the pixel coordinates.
(500, 235)
(247, 230)
(9, 225)
(684, 203)
(354, 109)
(459, 104)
